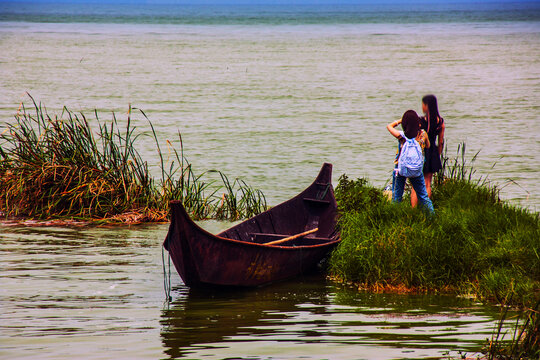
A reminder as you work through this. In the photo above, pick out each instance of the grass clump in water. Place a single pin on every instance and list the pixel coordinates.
(475, 244)
(58, 167)
(524, 331)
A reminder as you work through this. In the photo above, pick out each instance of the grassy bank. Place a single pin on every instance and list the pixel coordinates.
(475, 244)
(61, 167)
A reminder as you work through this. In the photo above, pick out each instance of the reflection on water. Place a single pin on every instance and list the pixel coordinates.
(315, 319)
(97, 293)
(86, 293)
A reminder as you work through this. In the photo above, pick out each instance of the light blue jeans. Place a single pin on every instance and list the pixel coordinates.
(418, 184)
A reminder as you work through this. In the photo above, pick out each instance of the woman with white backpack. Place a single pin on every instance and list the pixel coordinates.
(410, 158)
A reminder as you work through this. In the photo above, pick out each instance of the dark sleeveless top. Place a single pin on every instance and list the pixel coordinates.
(432, 162)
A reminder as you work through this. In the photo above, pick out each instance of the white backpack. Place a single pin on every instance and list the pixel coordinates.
(411, 159)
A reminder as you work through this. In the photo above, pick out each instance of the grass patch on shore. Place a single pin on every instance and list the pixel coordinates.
(61, 167)
(475, 244)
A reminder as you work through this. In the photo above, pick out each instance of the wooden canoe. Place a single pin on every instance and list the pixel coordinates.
(240, 256)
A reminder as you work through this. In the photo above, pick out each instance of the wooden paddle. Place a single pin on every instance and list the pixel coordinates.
(292, 237)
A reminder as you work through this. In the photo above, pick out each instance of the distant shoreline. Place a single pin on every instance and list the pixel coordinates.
(300, 13)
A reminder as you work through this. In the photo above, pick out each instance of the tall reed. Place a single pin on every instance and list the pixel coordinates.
(457, 168)
(524, 341)
(60, 167)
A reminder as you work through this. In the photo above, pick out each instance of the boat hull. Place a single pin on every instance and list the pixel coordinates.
(239, 255)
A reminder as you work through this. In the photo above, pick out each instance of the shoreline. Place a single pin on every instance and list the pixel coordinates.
(126, 219)
(399, 289)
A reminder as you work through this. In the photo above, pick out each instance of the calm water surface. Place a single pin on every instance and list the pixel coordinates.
(98, 294)
(270, 102)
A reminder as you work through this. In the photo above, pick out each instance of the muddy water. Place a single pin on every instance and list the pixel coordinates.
(98, 293)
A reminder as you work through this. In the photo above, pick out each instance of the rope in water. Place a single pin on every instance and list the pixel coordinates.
(321, 196)
(166, 275)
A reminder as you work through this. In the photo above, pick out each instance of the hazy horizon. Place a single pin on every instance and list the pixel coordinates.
(271, 2)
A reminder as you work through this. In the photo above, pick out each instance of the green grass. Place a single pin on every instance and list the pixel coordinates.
(475, 244)
(516, 337)
(61, 167)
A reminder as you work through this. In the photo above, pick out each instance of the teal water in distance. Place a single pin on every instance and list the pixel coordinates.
(268, 14)
(266, 94)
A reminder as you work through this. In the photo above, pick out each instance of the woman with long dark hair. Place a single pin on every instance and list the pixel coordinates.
(433, 124)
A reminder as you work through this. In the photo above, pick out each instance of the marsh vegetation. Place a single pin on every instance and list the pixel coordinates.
(515, 337)
(64, 167)
(476, 244)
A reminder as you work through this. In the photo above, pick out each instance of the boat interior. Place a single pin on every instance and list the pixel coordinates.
(315, 208)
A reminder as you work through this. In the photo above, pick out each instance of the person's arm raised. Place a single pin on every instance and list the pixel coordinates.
(392, 128)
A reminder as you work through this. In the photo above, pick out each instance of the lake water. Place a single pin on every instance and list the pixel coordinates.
(270, 93)
(98, 293)
(266, 94)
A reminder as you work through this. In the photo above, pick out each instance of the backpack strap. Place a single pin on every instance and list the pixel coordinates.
(403, 135)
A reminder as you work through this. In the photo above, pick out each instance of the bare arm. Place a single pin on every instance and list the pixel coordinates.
(441, 139)
(426, 139)
(392, 128)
